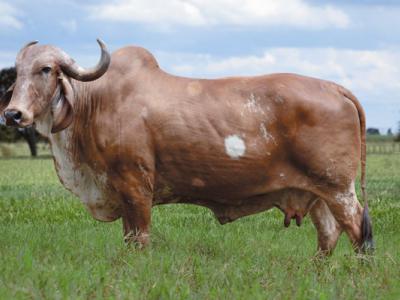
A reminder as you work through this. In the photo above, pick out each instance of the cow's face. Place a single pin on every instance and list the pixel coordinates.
(43, 86)
(36, 83)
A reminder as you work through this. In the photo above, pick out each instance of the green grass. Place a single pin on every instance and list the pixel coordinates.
(50, 248)
(21, 150)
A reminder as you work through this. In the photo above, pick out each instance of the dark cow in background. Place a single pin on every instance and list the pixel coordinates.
(126, 136)
(7, 78)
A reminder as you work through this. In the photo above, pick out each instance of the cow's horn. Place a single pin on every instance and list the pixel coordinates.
(72, 69)
(26, 46)
(30, 44)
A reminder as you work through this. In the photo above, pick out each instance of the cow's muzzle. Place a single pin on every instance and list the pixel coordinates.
(14, 117)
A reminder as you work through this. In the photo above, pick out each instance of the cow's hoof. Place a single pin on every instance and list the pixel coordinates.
(138, 241)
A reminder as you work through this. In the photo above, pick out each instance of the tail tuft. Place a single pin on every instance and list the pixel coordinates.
(368, 245)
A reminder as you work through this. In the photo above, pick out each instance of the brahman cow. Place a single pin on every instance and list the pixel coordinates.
(126, 136)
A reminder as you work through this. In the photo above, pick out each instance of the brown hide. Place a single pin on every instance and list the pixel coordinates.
(296, 130)
(141, 137)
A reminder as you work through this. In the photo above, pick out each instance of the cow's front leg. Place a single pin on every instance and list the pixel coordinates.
(136, 217)
(135, 187)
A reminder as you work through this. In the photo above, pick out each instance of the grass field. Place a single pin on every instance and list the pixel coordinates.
(50, 248)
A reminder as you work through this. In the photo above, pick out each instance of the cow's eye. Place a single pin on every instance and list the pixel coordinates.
(46, 70)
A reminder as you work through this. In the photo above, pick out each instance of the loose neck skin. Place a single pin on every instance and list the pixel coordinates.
(82, 98)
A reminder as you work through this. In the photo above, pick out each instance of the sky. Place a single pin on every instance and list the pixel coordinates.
(354, 43)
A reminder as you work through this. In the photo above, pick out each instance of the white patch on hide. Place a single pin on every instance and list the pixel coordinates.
(348, 200)
(265, 134)
(253, 106)
(327, 220)
(90, 187)
(144, 113)
(234, 146)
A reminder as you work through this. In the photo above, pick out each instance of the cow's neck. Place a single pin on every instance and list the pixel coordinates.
(75, 173)
(73, 170)
(77, 136)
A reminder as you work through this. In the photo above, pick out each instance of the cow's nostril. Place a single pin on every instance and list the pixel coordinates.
(14, 115)
(18, 116)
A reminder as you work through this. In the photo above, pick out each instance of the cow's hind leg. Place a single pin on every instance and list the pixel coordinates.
(328, 229)
(352, 218)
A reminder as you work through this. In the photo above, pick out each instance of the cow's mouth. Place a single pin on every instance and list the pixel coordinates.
(13, 123)
(16, 123)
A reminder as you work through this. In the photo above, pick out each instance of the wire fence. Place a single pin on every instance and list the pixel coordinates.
(383, 148)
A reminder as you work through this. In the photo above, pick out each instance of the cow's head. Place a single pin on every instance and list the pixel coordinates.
(43, 85)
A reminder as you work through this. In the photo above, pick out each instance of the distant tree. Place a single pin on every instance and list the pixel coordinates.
(7, 78)
(373, 131)
(389, 132)
(397, 139)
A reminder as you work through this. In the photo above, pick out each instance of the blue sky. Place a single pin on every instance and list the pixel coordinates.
(354, 43)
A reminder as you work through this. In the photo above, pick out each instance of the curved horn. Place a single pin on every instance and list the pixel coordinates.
(24, 47)
(29, 44)
(72, 69)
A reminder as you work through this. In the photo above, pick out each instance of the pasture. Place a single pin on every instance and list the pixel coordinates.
(51, 248)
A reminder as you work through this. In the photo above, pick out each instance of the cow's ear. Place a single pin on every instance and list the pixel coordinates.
(5, 100)
(63, 113)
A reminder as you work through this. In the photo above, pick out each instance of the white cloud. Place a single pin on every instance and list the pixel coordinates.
(364, 71)
(8, 16)
(297, 13)
(70, 26)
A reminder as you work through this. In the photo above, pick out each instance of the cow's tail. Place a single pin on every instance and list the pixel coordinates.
(367, 244)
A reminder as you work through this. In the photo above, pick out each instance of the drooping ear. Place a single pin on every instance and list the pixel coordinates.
(4, 101)
(63, 113)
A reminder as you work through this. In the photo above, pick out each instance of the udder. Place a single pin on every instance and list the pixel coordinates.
(295, 204)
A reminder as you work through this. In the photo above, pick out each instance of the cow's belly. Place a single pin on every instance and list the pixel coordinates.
(215, 178)
(228, 187)
(294, 203)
